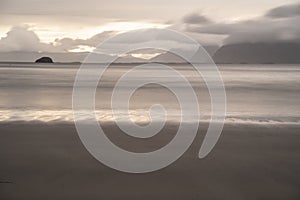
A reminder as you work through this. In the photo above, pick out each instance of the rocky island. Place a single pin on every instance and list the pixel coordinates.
(44, 60)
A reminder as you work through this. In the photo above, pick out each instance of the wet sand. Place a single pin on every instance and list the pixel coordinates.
(48, 161)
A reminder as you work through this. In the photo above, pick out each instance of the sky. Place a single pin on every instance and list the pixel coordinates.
(78, 26)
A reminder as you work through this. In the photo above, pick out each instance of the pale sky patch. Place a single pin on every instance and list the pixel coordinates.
(145, 55)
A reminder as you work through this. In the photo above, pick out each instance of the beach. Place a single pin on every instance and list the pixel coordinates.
(150, 100)
(250, 161)
(256, 157)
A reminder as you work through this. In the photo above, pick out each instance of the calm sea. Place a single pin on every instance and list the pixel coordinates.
(267, 94)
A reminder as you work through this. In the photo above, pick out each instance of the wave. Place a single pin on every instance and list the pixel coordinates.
(137, 116)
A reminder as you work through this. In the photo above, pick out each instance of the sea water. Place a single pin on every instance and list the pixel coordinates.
(266, 94)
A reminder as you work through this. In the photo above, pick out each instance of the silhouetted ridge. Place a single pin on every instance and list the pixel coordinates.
(255, 53)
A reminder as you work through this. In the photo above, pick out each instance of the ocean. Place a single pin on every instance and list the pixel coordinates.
(256, 94)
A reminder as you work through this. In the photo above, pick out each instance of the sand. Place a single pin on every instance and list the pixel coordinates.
(48, 161)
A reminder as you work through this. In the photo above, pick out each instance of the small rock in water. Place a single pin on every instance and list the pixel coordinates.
(44, 60)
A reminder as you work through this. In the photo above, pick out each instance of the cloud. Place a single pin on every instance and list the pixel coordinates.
(214, 29)
(87, 12)
(20, 38)
(195, 18)
(281, 27)
(279, 24)
(69, 43)
(163, 39)
(284, 11)
(268, 31)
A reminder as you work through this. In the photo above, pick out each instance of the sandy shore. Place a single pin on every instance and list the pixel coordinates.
(40, 161)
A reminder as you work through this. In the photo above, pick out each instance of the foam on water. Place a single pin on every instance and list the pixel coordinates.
(137, 116)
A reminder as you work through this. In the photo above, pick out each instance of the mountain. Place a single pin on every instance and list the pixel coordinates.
(254, 53)
(32, 56)
(68, 57)
(130, 59)
(169, 57)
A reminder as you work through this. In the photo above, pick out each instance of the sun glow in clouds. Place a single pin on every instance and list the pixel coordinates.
(83, 48)
(49, 34)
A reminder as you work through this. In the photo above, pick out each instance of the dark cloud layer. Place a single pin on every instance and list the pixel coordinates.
(277, 25)
(195, 18)
(284, 11)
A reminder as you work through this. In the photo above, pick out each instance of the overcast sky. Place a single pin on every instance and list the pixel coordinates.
(70, 25)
